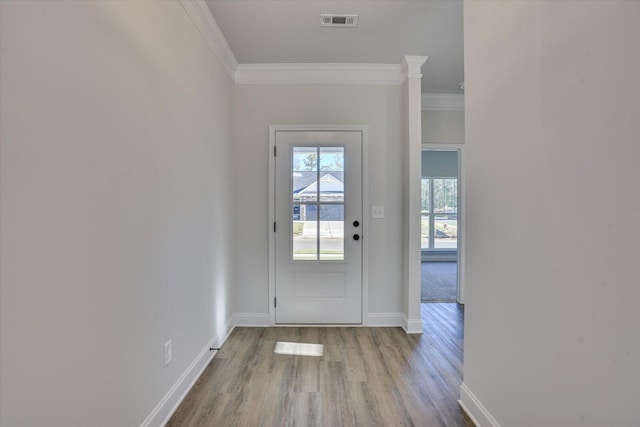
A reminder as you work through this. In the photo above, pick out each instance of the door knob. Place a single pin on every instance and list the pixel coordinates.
(356, 223)
(356, 237)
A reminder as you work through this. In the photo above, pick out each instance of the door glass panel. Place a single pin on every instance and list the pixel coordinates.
(317, 183)
(331, 188)
(332, 232)
(331, 174)
(305, 159)
(305, 174)
(305, 232)
(332, 159)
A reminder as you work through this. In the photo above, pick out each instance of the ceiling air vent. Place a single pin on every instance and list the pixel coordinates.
(327, 20)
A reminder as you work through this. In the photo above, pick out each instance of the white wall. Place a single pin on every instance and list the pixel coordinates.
(553, 238)
(443, 126)
(258, 106)
(115, 207)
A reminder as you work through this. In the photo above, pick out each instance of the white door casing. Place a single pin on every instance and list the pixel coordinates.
(316, 253)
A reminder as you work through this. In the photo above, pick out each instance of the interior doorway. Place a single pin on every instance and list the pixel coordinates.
(440, 225)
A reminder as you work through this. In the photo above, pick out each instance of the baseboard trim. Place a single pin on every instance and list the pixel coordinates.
(412, 326)
(475, 409)
(385, 320)
(176, 394)
(251, 319)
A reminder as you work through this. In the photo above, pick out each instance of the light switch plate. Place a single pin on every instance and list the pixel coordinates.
(377, 212)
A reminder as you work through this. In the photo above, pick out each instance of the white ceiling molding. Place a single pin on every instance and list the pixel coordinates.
(372, 74)
(443, 101)
(202, 18)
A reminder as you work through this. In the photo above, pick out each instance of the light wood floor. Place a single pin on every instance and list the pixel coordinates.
(367, 377)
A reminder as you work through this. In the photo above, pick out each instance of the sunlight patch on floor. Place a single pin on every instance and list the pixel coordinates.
(298, 349)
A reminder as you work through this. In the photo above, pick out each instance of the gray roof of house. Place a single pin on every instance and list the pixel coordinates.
(303, 179)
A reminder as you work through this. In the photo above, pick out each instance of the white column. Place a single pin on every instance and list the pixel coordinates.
(412, 153)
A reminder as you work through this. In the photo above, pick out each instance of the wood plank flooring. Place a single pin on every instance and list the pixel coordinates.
(366, 377)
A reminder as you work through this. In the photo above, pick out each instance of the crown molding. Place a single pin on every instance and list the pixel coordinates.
(368, 74)
(202, 18)
(443, 101)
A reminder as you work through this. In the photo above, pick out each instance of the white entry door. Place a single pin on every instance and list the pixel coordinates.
(318, 230)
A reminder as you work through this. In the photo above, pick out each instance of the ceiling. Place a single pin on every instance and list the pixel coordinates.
(288, 31)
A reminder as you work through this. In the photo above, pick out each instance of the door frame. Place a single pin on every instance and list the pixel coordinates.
(461, 208)
(364, 129)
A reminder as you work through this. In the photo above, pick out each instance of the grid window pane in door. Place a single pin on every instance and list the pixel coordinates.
(305, 245)
(331, 174)
(317, 183)
(332, 232)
